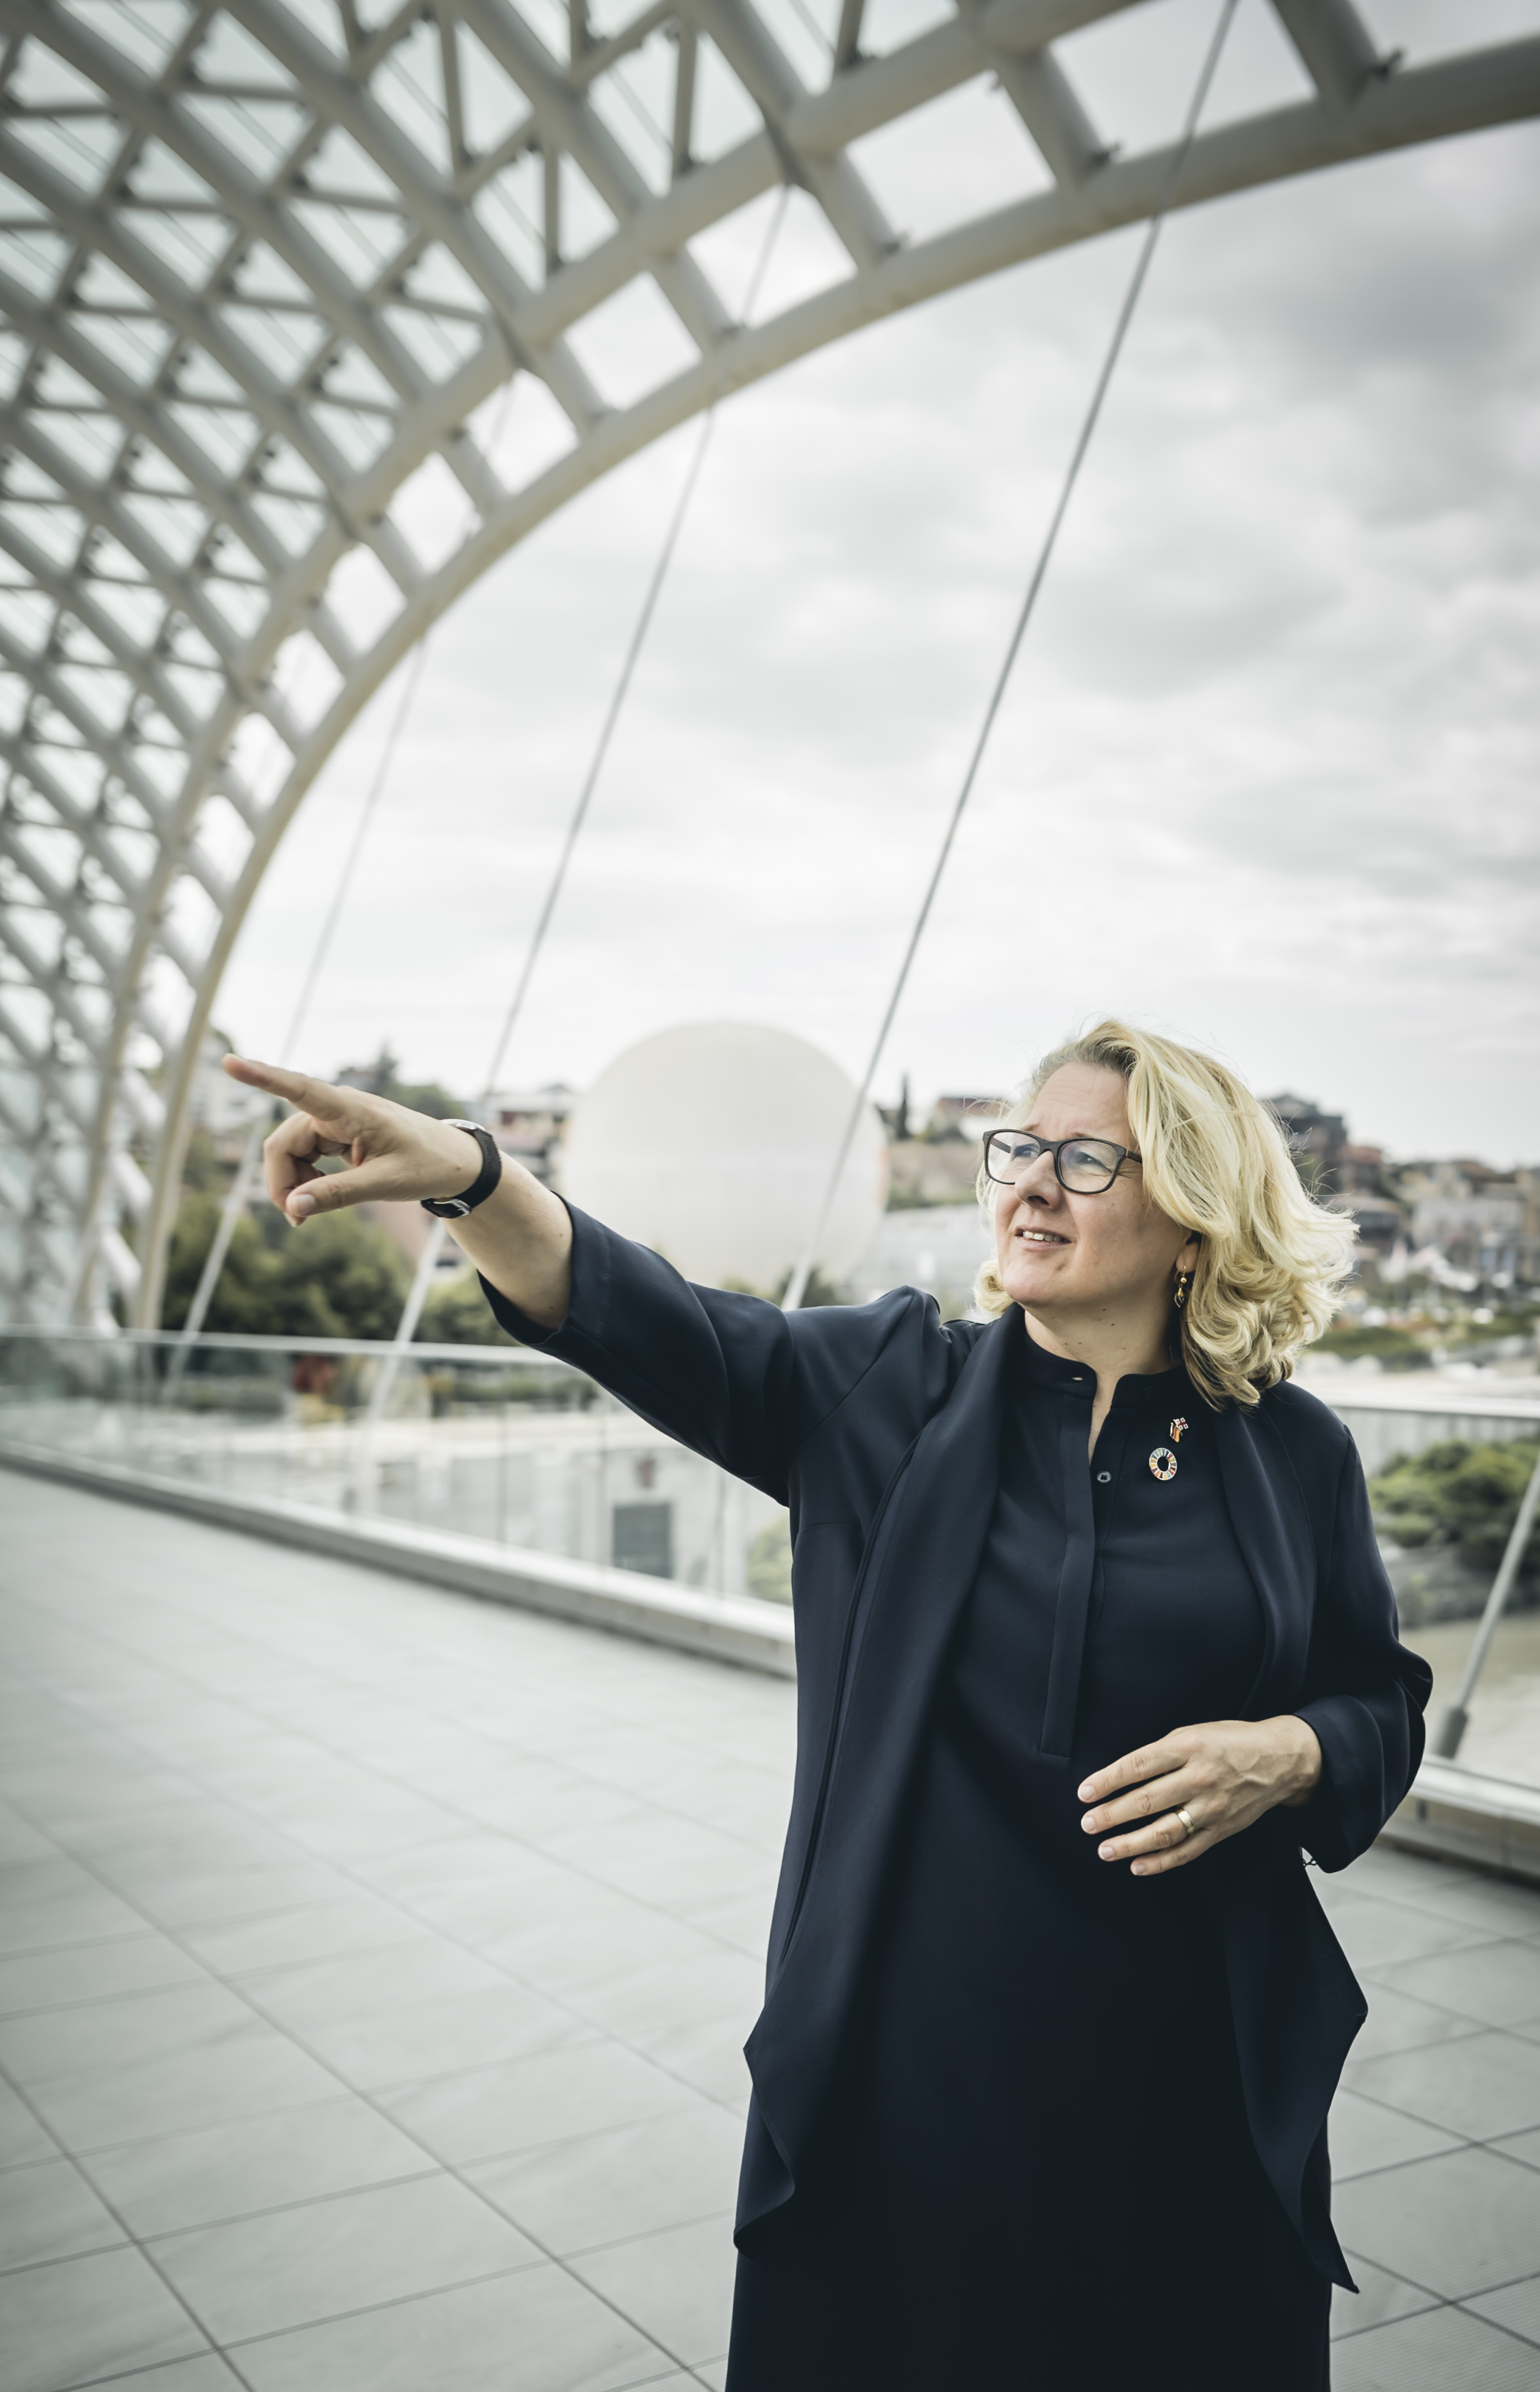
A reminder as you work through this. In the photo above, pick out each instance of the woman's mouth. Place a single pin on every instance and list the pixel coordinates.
(1040, 1237)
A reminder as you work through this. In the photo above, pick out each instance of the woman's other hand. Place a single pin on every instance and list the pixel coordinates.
(520, 1238)
(1224, 1774)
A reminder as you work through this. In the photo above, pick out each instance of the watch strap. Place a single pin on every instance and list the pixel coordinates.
(454, 1208)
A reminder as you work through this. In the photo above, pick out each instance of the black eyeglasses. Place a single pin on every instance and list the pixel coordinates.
(1087, 1166)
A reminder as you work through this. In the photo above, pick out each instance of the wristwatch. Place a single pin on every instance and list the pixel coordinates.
(454, 1208)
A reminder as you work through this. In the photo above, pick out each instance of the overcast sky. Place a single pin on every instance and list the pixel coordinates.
(1266, 774)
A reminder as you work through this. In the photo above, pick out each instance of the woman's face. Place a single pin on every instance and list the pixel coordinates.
(1098, 1257)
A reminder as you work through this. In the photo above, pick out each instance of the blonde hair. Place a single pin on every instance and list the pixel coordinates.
(1271, 1263)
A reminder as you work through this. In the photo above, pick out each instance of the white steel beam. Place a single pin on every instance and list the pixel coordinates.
(261, 302)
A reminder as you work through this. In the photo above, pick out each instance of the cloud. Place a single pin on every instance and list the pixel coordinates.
(1265, 774)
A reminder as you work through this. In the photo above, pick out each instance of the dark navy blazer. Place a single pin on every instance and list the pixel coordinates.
(880, 1425)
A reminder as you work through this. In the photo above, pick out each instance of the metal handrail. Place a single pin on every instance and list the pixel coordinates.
(227, 1341)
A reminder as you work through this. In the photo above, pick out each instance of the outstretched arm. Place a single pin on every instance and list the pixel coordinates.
(520, 1239)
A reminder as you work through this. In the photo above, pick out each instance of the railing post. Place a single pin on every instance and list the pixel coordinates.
(1456, 1718)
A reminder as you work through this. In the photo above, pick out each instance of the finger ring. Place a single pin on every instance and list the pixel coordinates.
(1186, 1818)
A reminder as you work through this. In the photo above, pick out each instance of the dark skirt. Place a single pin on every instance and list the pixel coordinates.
(1036, 2174)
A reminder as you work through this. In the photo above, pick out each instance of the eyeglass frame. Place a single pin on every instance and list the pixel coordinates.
(1056, 1148)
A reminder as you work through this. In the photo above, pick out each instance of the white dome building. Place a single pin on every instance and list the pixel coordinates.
(713, 1144)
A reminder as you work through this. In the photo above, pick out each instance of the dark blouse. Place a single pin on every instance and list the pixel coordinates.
(1041, 2106)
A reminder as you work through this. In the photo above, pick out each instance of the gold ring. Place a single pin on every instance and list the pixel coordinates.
(1186, 1818)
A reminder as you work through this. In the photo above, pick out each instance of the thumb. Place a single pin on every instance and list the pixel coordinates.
(334, 1191)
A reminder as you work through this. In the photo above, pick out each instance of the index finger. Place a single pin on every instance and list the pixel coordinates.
(1134, 1769)
(317, 1097)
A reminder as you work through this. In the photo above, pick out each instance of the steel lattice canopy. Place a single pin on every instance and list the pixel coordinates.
(308, 305)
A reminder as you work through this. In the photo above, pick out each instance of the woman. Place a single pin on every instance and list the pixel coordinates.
(1093, 1642)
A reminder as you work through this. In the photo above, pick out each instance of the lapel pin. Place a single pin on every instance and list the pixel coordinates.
(1174, 1431)
(1162, 1462)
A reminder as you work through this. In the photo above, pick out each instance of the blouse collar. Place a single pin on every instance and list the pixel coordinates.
(1137, 1391)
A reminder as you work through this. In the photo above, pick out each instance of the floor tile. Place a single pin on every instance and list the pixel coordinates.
(53, 1877)
(1380, 2297)
(199, 1838)
(709, 2057)
(560, 2336)
(120, 2033)
(248, 2072)
(1397, 2023)
(744, 1920)
(319, 1930)
(288, 2268)
(1514, 2306)
(357, 1984)
(1377, 1933)
(206, 2375)
(581, 1935)
(49, 2212)
(22, 2138)
(86, 1918)
(606, 2188)
(445, 2037)
(676, 2285)
(668, 1995)
(88, 1972)
(176, 2181)
(1482, 2084)
(1366, 2135)
(80, 2320)
(219, 1895)
(1460, 2223)
(1446, 1891)
(655, 1857)
(1498, 1983)
(490, 2110)
(1444, 2351)
(18, 1840)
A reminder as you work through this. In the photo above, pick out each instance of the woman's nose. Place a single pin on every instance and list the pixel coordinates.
(1037, 1177)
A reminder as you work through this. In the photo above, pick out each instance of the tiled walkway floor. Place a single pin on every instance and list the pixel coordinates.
(374, 1966)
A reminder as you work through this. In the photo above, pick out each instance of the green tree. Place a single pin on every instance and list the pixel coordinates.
(242, 1300)
(456, 1313)
(338, 1277)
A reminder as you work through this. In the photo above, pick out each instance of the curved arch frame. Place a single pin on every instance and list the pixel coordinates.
(181, 528)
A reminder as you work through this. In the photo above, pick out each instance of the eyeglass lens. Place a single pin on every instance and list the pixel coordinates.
(1085, 1165)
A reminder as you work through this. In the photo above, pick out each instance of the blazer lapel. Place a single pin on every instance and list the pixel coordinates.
(1271, 1525)
(920, 1580)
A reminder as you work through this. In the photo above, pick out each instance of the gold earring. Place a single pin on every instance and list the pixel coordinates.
(1183, 1283)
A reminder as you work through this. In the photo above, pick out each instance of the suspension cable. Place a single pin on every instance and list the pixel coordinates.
(241, 1186)
(411, 1312)
(797, 1286)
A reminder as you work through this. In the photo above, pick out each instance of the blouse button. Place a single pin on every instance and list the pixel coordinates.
(1104, 1477)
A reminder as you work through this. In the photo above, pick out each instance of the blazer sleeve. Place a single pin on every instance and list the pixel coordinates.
(1365, 1693)
(731, 1376)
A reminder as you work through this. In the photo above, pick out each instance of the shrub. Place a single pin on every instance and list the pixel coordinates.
(1458, 1493)
(1397, 1349)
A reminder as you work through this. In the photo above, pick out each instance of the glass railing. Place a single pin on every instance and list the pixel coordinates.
(507, 1446)
(518, 1450)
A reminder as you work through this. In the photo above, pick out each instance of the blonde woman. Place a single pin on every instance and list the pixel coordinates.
(1094, 1645)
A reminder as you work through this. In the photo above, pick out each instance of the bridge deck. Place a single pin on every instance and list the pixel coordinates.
(374, 1964)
